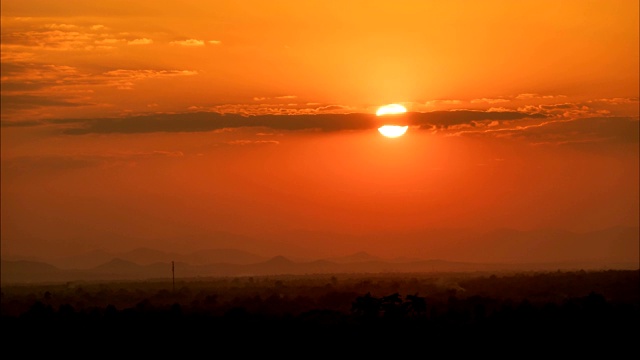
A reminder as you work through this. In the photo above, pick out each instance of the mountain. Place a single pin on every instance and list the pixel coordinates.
(21, 271)
(232, 256)
(83, 261)
(146, 256)
(357, 257)
(497, 250)
(14, 272)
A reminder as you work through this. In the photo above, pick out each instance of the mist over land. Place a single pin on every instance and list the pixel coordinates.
(499, 251)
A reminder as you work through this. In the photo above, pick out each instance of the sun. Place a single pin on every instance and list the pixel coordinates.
(391, 109)
(392, 131)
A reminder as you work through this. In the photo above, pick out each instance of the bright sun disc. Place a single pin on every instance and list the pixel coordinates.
(391, 109)
(392, 131)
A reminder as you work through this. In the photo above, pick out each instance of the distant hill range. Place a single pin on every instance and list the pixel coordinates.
(615, 249)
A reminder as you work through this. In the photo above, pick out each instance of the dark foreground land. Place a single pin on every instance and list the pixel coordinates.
(515, 314)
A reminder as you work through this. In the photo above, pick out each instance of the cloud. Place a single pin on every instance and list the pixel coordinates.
(16, 102)
(189, 42)
(124, 79)
(445, 119)
(214, 42)
(34, 86)
(61, 37)
(498, 109)
(563, 110)
(584, 130)
(61, 26)
(31, 77)
(108, 41)
(616, 101)
(327, 122)
(538, 96)
(282, 97)
(69, 37)
(51, 39)
(265, 108)
(531, 127)
(253, 142)
(7, 55)
(27, 76)
(489, 101)
(22, 123)
(208, 121)
(575, 132)
(332, 108)
(442, 102)
(142, 41)
(139, 74)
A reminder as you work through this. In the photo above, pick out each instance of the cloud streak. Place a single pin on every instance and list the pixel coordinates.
(445, 119)
(211, 121)
(142, 41)
(28, 85)
(16, 102)
(592, 130)
(189, 42)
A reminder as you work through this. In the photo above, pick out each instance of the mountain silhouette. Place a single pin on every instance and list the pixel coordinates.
(511, 250)
(356, 257)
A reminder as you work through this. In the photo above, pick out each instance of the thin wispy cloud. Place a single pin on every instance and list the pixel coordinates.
(142, 41)
(616, 101)
(22, 77)
(281, 97)
(592, 130)
(489, 101)
(109, 41)
(432, 103)
(189, 42)
(253, 142)
(61, 26)
(538, 96)
(31, 86)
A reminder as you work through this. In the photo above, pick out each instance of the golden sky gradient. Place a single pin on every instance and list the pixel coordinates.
(139, 123)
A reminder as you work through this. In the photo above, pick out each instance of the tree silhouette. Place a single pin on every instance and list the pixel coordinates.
(392, 306)
(416, 305)
(366, 306)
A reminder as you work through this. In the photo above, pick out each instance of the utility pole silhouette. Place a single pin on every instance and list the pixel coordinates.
(173, 273)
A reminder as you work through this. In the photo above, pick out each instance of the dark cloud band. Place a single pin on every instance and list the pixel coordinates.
(210, 121)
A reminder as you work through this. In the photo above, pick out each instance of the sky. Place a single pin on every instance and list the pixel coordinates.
(177, 124)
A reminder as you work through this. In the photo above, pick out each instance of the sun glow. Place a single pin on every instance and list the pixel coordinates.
(391, 109)
(392, 131)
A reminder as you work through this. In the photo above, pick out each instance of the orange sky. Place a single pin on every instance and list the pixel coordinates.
(145, 123)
